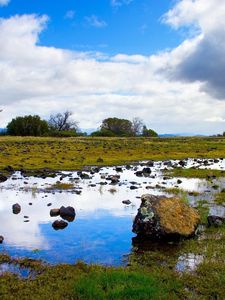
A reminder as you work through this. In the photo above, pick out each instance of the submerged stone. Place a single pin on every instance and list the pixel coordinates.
(162, 218)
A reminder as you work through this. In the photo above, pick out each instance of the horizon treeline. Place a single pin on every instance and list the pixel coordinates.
(61, 125)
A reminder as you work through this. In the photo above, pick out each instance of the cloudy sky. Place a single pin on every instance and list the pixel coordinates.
(162, 61)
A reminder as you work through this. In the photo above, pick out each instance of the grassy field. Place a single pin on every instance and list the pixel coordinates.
(75, 153)
(151, 274)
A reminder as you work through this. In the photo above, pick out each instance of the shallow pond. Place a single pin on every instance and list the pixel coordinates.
(102, 230)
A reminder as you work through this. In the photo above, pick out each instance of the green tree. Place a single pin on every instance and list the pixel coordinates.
(117, 127)
(27, 126)
(148, 132)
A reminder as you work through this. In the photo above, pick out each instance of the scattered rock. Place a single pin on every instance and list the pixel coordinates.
(1, 239)
(67, 213)
(119, 169)
(133, 187)
(127, 202)
(54, 212)
(59, 224)
(163, 218)
(179, 181)
(215, 221)
(16, 208)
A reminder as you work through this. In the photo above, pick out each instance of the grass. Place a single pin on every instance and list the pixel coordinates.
(151, 273)
(220, 198)
(32, 153)
(195, 173)
(61, 186)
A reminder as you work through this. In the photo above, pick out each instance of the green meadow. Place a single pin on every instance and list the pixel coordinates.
(148, 275)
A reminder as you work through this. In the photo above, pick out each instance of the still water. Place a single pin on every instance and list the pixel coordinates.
(102, 230)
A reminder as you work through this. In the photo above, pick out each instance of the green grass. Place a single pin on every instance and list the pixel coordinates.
(195, 173)
(34, 153)
(61, 186)
(220, 198)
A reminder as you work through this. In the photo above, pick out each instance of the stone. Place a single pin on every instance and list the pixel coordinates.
(54, 212)
(16, 208)
(127, 202)
(59, 224)
(215, 221)
(1, 239)
(67, 213)
(163, 218)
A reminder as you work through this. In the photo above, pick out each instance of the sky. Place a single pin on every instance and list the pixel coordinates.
(160, 60)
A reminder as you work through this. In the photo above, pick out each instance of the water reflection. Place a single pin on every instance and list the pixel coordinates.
(101, 231)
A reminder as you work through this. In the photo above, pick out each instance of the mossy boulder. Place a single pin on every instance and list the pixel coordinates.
(163, 218)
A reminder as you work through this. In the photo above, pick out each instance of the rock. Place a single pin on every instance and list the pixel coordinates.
(119, 169)
(3, 178)
(139, 173)
(127, 202)
(16, 208)
(150, 163)
(1, 239)
(59, 224)
(133, 187)
(215, 221)
(54, 212)
(67, 213)
(163, 218)
(146, 171)
(179, 181)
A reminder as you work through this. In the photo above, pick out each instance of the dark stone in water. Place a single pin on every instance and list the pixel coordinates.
(67, 213)
(146, 171)
(59, 224)
(215, 221)
(133, 187)
(1, 239)
(139, 173)
(16, 208)
(119, 169)
(127, 202)
(179, 181)
(150, 163)
(54, 212)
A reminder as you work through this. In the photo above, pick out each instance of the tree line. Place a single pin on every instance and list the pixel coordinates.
(62, 125)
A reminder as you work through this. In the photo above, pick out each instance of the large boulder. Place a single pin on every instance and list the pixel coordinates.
(162, 218)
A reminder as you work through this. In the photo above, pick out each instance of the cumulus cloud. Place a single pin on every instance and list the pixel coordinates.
(204, 61)
(45, 80)
(4, 2)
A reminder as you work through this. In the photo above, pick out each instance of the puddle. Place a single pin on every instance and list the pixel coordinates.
(188, 262)
(102, 229)
(17, 270)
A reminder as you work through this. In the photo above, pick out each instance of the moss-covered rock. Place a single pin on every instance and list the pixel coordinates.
(160, 217)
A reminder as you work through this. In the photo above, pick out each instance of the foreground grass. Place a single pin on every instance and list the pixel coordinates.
(195, 173)
(151, 274)
(74, 153)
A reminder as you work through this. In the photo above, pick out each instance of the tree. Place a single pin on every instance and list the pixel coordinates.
(119, 127)
(137, 126)
(62, 122)
(27, 125)
(148, 132)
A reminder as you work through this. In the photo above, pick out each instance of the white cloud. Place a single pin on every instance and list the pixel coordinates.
(95, 22)
(44, 80)
(4, 2)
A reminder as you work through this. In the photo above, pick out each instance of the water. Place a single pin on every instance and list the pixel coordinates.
(102, 230)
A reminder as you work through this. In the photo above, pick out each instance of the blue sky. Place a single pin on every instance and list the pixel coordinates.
(159, 60)
(98, 25)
